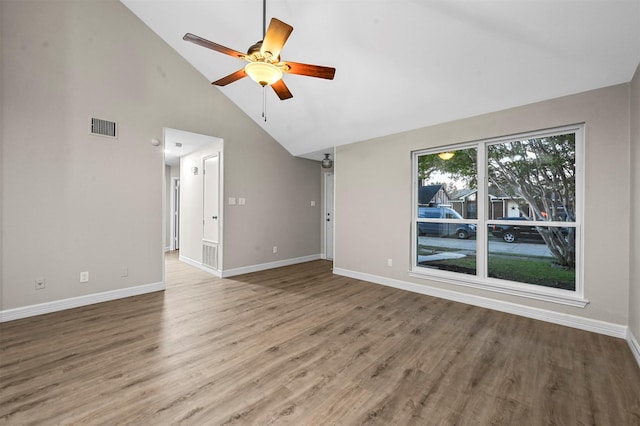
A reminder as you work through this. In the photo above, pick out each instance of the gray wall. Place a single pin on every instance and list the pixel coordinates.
(373, 196)
(278, 189)
(74, 202)
(634, 294)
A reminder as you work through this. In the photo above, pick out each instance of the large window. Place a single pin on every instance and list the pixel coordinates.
(503, 214)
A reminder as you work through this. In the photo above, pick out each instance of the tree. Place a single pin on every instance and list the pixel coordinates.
(461, 166)
(542, 172)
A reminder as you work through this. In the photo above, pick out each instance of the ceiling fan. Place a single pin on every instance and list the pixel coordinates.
(265, 66)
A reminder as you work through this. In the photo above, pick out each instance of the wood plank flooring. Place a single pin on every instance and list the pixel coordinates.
(299, 346)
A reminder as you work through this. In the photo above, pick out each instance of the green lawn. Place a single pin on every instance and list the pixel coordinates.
(531, 270)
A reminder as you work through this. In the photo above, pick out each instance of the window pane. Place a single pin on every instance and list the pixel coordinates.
(445, 200)
(448, 179)
(446, 254)
(531, 255)
(533, 178)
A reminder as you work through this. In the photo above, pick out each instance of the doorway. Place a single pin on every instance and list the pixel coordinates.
(184, 198)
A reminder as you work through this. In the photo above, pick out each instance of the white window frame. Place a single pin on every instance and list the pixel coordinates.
(481, 280)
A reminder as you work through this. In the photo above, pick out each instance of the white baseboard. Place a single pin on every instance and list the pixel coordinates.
(248, 269)
(596, 326)
(634, 345)
(270, 265)
(200, 266)
(76, 302)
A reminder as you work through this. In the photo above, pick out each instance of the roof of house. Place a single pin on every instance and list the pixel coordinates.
(494, 192)
(427, 192)
(463, 193)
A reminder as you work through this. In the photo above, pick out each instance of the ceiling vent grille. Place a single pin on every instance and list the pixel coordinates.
(103, 128)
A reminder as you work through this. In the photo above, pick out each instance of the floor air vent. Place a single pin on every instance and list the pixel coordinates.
(103, 128)
(210, 255)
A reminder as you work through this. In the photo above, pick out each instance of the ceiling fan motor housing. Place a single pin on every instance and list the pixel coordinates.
(255, 48)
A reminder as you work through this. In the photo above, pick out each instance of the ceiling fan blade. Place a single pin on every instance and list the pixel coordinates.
(309, 70)
(281, 90)
(276, 36)
(213, 46)
(235, 76)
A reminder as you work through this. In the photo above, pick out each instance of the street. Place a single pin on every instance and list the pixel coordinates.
(495, 245)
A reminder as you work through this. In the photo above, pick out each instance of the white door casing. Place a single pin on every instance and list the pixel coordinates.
(175, 214)
(328, 215)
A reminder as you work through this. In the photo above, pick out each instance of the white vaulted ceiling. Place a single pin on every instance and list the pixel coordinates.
(405, 64)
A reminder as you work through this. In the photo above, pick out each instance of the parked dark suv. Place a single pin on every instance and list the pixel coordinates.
(460, 230)
(511, 233)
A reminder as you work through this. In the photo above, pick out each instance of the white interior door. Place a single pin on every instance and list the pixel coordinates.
(328, 215)
(211, 220)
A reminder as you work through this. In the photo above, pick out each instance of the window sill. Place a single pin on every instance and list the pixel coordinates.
(521, 290)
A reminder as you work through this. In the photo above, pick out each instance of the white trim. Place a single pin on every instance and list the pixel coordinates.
(634, 345)
(221, 205)
(200, 266)
(248, 269)
(563, 297)
(76, 302)
(332, 213)
(175, 184)
(270, 265)
(596, 326)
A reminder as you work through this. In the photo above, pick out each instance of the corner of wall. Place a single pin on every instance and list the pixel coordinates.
(634, 194)
(1, 149)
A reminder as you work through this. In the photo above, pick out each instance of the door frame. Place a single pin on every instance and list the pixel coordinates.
(175, 215)
(329, 240)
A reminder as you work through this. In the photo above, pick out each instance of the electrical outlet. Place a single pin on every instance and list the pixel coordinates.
(241, 201)
(124, 272)
(389, 262)
(275, 249)
(84, 277)
(40, 284)
(313, 203)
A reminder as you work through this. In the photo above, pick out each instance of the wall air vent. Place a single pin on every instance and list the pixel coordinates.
(103, 128)
(210, 254)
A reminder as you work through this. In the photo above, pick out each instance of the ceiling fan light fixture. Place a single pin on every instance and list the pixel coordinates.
(263, 73)
(327, 162)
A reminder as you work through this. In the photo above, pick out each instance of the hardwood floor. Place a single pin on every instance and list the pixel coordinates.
(297, 345)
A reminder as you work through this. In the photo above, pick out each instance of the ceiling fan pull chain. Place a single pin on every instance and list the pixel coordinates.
(264, 103)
